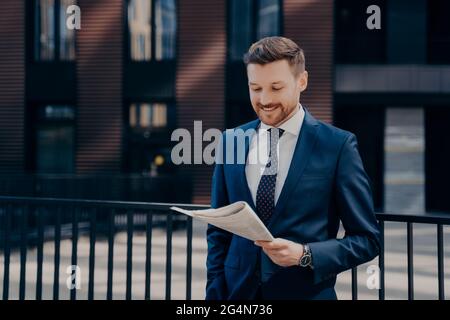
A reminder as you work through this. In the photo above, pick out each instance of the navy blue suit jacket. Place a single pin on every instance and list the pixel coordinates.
(326, 183)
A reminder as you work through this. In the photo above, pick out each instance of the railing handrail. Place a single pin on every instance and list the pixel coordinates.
(425, 217)
(99, 203)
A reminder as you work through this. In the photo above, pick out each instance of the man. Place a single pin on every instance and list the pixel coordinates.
(319, 180)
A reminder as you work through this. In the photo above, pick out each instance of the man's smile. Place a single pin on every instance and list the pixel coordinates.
(269, 109)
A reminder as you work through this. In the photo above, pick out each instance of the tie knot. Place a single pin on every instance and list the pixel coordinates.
(275, 131)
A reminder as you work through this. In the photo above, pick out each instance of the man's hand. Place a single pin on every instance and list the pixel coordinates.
(283, 252)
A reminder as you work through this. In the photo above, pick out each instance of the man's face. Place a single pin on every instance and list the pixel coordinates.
(275, 91)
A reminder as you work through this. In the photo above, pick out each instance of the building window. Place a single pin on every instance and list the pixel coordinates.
(355, 43)
(55, 139)
(66, 35)
(45, 30)
(148, 116)
(404, 169)
(268, 18)
(152, 28)
(251, 20)
(52, 39)
(438, 32)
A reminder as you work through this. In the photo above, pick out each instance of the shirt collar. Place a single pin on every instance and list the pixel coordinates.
(293, 125)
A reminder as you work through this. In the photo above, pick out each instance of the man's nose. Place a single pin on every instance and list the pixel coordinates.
(265, 99)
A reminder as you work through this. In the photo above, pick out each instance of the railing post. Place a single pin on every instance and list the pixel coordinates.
(57, 253)
(148, 254)
(111, 231)
(355, 283)
(40, 252)
(23, 251)
(381, 293)
(92, 238)
(169, 255)
(73, 291)
(129, 253)
(409, 234)
(6, 249)
(440, 243)
(189, 259)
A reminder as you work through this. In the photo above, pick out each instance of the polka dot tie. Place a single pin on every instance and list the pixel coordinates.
(265, 195)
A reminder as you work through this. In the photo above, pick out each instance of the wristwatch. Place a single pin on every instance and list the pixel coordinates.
(306, 259)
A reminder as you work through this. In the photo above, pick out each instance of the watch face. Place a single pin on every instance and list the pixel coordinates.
(306, 260)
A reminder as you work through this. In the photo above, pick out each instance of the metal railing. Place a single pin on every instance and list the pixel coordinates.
(438, 219)
(26, 222)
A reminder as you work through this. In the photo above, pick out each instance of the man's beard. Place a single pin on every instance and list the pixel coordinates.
(273, 114)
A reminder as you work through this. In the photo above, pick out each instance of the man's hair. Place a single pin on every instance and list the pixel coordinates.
(272, 49)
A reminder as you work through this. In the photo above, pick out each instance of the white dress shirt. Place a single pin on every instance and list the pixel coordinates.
(258, 154)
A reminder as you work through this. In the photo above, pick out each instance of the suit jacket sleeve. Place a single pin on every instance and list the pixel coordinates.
(354, 202)
(218, 241)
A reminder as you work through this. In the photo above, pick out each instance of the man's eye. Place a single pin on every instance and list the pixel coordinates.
(256, 89)
(277, 89)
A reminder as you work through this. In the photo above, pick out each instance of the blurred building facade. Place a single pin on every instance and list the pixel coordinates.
(392, 89)
(105, 99)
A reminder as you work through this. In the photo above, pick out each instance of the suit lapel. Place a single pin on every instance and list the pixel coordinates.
(302, 152)
(242, 186)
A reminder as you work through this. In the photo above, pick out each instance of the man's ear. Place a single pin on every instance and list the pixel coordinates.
(303, 81)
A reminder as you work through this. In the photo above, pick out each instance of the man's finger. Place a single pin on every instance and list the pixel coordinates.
(276, 245)
(265, 244)
(272, 256)
(262, 243)
(275, 250)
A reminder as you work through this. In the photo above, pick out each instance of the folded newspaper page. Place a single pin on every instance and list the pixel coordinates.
(238, 218)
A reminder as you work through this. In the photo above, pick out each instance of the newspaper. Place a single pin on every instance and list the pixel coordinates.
(238, 218)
